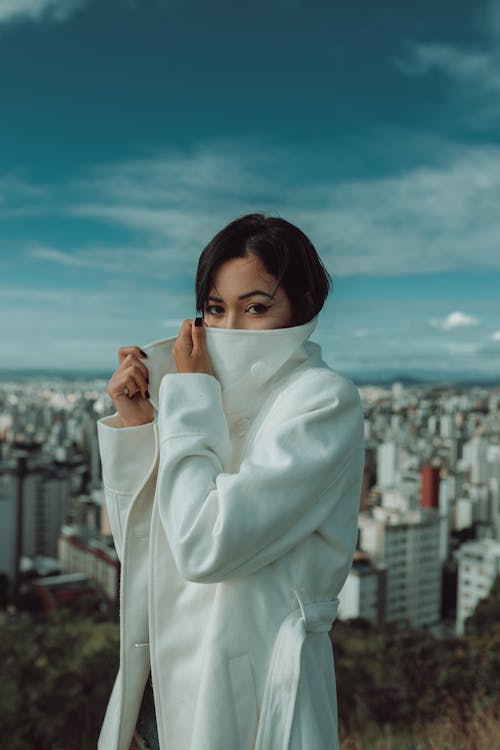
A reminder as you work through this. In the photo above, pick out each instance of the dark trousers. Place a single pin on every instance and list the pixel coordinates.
(146, 731)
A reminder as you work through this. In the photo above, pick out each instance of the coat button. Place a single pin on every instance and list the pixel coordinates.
(242, 426)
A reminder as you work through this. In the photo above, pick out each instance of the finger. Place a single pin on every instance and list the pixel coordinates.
(185, 329)
(198, 334)
(124, 386)
(184, 338)
(124, 351)
(139, 379)
(132, 387)
(131, 362)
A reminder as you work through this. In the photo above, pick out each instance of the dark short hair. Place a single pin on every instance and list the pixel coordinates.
(286, 253)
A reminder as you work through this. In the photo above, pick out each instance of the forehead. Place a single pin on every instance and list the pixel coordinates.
(245, 273)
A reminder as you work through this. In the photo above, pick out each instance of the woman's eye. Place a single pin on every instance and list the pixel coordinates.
(257, 308)
(214, 310)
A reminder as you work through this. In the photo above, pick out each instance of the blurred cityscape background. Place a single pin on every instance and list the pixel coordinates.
(133, 130)
(424, 587)
(429, 523)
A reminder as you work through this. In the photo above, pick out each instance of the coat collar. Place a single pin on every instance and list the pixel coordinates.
(242, 360)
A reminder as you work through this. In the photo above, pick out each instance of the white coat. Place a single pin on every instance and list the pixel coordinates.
(234, 514)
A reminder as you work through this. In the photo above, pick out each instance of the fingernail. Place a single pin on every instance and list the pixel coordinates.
(198, 322)
(143, 354)
(147, 394)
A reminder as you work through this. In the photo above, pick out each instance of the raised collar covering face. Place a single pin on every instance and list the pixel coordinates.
(240, 358)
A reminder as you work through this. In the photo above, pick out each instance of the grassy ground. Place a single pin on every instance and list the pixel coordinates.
(480, 730)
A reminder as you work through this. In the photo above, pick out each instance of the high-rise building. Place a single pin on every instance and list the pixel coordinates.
(478, 566)
(369, 474)
(386, 464)
(465, 512)
(432, 424)
(475, 458)
(7, 527)
(429, 486)
(94, 558)
(46, 501)
(363, 593)
(407, 544)
(446, 426)
(447, 487)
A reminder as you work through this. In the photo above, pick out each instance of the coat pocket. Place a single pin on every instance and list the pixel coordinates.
(244, 699)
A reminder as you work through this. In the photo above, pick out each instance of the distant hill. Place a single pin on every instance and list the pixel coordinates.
(430, 379)
(387, 378)
(25, 375)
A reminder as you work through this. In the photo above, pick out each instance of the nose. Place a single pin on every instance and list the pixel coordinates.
(232, 319)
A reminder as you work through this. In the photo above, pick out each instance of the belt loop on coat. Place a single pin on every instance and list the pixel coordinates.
(318, 617)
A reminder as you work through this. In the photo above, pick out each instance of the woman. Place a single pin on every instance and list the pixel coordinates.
(232, 473)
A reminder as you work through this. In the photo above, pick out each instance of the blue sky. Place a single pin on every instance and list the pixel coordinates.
(130, 132)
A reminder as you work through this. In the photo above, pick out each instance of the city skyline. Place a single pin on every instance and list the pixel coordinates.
(132, 132)
(424, 576)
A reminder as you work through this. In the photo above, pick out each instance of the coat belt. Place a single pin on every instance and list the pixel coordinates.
(280, 691)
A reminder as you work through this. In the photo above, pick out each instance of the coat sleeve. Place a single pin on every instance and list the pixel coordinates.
(128, 457)
(305, 460)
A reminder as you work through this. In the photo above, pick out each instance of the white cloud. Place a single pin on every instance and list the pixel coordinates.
(476, 67)
(473, 70)
(35, 323)
(18, 194)
(130, 262)
(360, 333)
(495, 336)
(12, 11)
(462, 349)
(428, 219)
(439, 217)
(42, 327)
(455, 320)
(56, 256)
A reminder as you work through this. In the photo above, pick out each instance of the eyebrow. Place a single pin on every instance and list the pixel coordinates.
(244, 296)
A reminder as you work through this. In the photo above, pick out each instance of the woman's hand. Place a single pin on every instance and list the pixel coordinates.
(190, 351)
(128, 388)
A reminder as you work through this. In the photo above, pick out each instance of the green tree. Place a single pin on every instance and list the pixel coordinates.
(57, 674)
(486, 616)
(404, 677)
